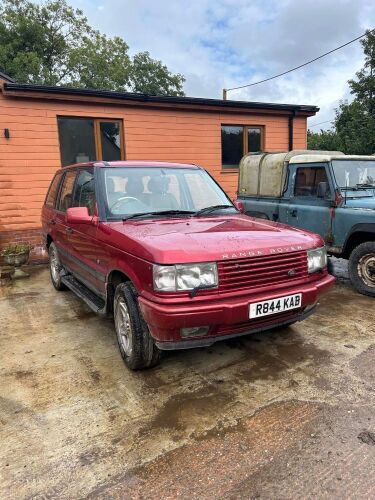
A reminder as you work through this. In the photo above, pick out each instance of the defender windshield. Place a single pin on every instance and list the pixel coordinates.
(354, 173)
(136, 191)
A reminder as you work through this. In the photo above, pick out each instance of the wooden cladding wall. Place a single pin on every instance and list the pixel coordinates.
(30, 157)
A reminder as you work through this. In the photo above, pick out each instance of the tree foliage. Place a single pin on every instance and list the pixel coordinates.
(53, 44)
(354, 125)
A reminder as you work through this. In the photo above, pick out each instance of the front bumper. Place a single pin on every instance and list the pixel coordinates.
(226, 317)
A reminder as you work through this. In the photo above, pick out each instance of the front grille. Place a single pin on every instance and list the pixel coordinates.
(262, 271)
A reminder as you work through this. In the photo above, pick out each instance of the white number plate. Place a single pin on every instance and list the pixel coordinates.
(274, 306)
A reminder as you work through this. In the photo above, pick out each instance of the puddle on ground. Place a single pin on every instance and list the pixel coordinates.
(186, 409)
(277, 352)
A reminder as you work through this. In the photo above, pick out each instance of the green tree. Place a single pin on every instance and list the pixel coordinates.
(326, 140)
(355, 128)
(363, 88)
(354, 124)
(149, 75)
(53, 44)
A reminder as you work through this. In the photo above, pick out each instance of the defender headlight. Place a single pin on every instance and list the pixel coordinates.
(185, 276)
(316, 259)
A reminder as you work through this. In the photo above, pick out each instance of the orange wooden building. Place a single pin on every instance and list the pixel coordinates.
(43, 128)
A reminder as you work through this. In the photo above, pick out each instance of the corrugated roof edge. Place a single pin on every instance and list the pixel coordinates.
(199, 101)
(7, 77)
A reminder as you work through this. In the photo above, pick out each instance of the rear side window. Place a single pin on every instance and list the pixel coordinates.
(53, 191)
(66, 193)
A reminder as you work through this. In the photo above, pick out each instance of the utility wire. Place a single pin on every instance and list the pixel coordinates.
(304, 64)
(320, 123)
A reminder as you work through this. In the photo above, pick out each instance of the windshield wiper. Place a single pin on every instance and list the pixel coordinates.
(207, 210)
(163, 212)
(357, 187)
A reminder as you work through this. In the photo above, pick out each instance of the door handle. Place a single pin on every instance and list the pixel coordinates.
(69, 230)
(51, 222)
(294, 212)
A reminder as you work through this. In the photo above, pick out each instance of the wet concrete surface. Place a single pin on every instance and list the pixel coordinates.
(284, 414)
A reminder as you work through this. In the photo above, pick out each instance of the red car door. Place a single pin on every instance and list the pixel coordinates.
(49, 208)
(84, 247)
(60, 232)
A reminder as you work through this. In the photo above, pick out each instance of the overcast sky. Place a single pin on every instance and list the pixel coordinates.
(226, 43)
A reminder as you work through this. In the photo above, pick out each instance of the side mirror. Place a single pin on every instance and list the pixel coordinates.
(78, 215)
(322, 189)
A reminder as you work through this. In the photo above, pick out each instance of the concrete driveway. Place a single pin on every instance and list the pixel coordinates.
(287, 414)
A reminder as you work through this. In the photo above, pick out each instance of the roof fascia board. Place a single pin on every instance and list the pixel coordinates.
(64, 93)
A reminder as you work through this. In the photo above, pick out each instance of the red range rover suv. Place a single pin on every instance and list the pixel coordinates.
(162, 248)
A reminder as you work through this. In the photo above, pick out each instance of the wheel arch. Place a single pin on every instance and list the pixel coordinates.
(360, 233)
(114, 278)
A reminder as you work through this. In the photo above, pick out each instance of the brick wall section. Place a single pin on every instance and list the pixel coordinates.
(31, 156)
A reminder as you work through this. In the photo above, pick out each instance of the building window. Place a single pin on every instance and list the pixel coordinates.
(238, 140)
(89, 139)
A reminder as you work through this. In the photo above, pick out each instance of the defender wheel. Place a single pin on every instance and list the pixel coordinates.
(55, 268)
(362, 268)
(136, 345)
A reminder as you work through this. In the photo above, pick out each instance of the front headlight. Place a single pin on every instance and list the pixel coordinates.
(185, 276)
(316, 259)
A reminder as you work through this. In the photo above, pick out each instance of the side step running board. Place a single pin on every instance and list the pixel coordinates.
(95, 303)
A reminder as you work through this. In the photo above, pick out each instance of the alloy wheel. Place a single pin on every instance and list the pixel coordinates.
(123, 326)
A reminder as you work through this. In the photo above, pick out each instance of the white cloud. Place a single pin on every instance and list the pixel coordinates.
(226, 43)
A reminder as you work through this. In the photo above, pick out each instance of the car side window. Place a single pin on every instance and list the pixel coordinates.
(307, 181)
(84, 191)
(53, 191)
(66, 193)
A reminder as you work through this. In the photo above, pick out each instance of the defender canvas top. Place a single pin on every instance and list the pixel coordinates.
(319, 156)
(264, 174)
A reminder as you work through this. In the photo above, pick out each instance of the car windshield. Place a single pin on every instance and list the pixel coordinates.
(354, 173)
(134, 191)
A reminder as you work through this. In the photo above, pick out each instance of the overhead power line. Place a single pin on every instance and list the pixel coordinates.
(298, 67)
(320, 123)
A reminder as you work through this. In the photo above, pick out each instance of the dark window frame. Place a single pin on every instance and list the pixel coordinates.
(245, 143)
(97, 135)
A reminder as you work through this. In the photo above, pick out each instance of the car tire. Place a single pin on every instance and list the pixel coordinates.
(136, 344)
(55, 268)
(362, 268)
